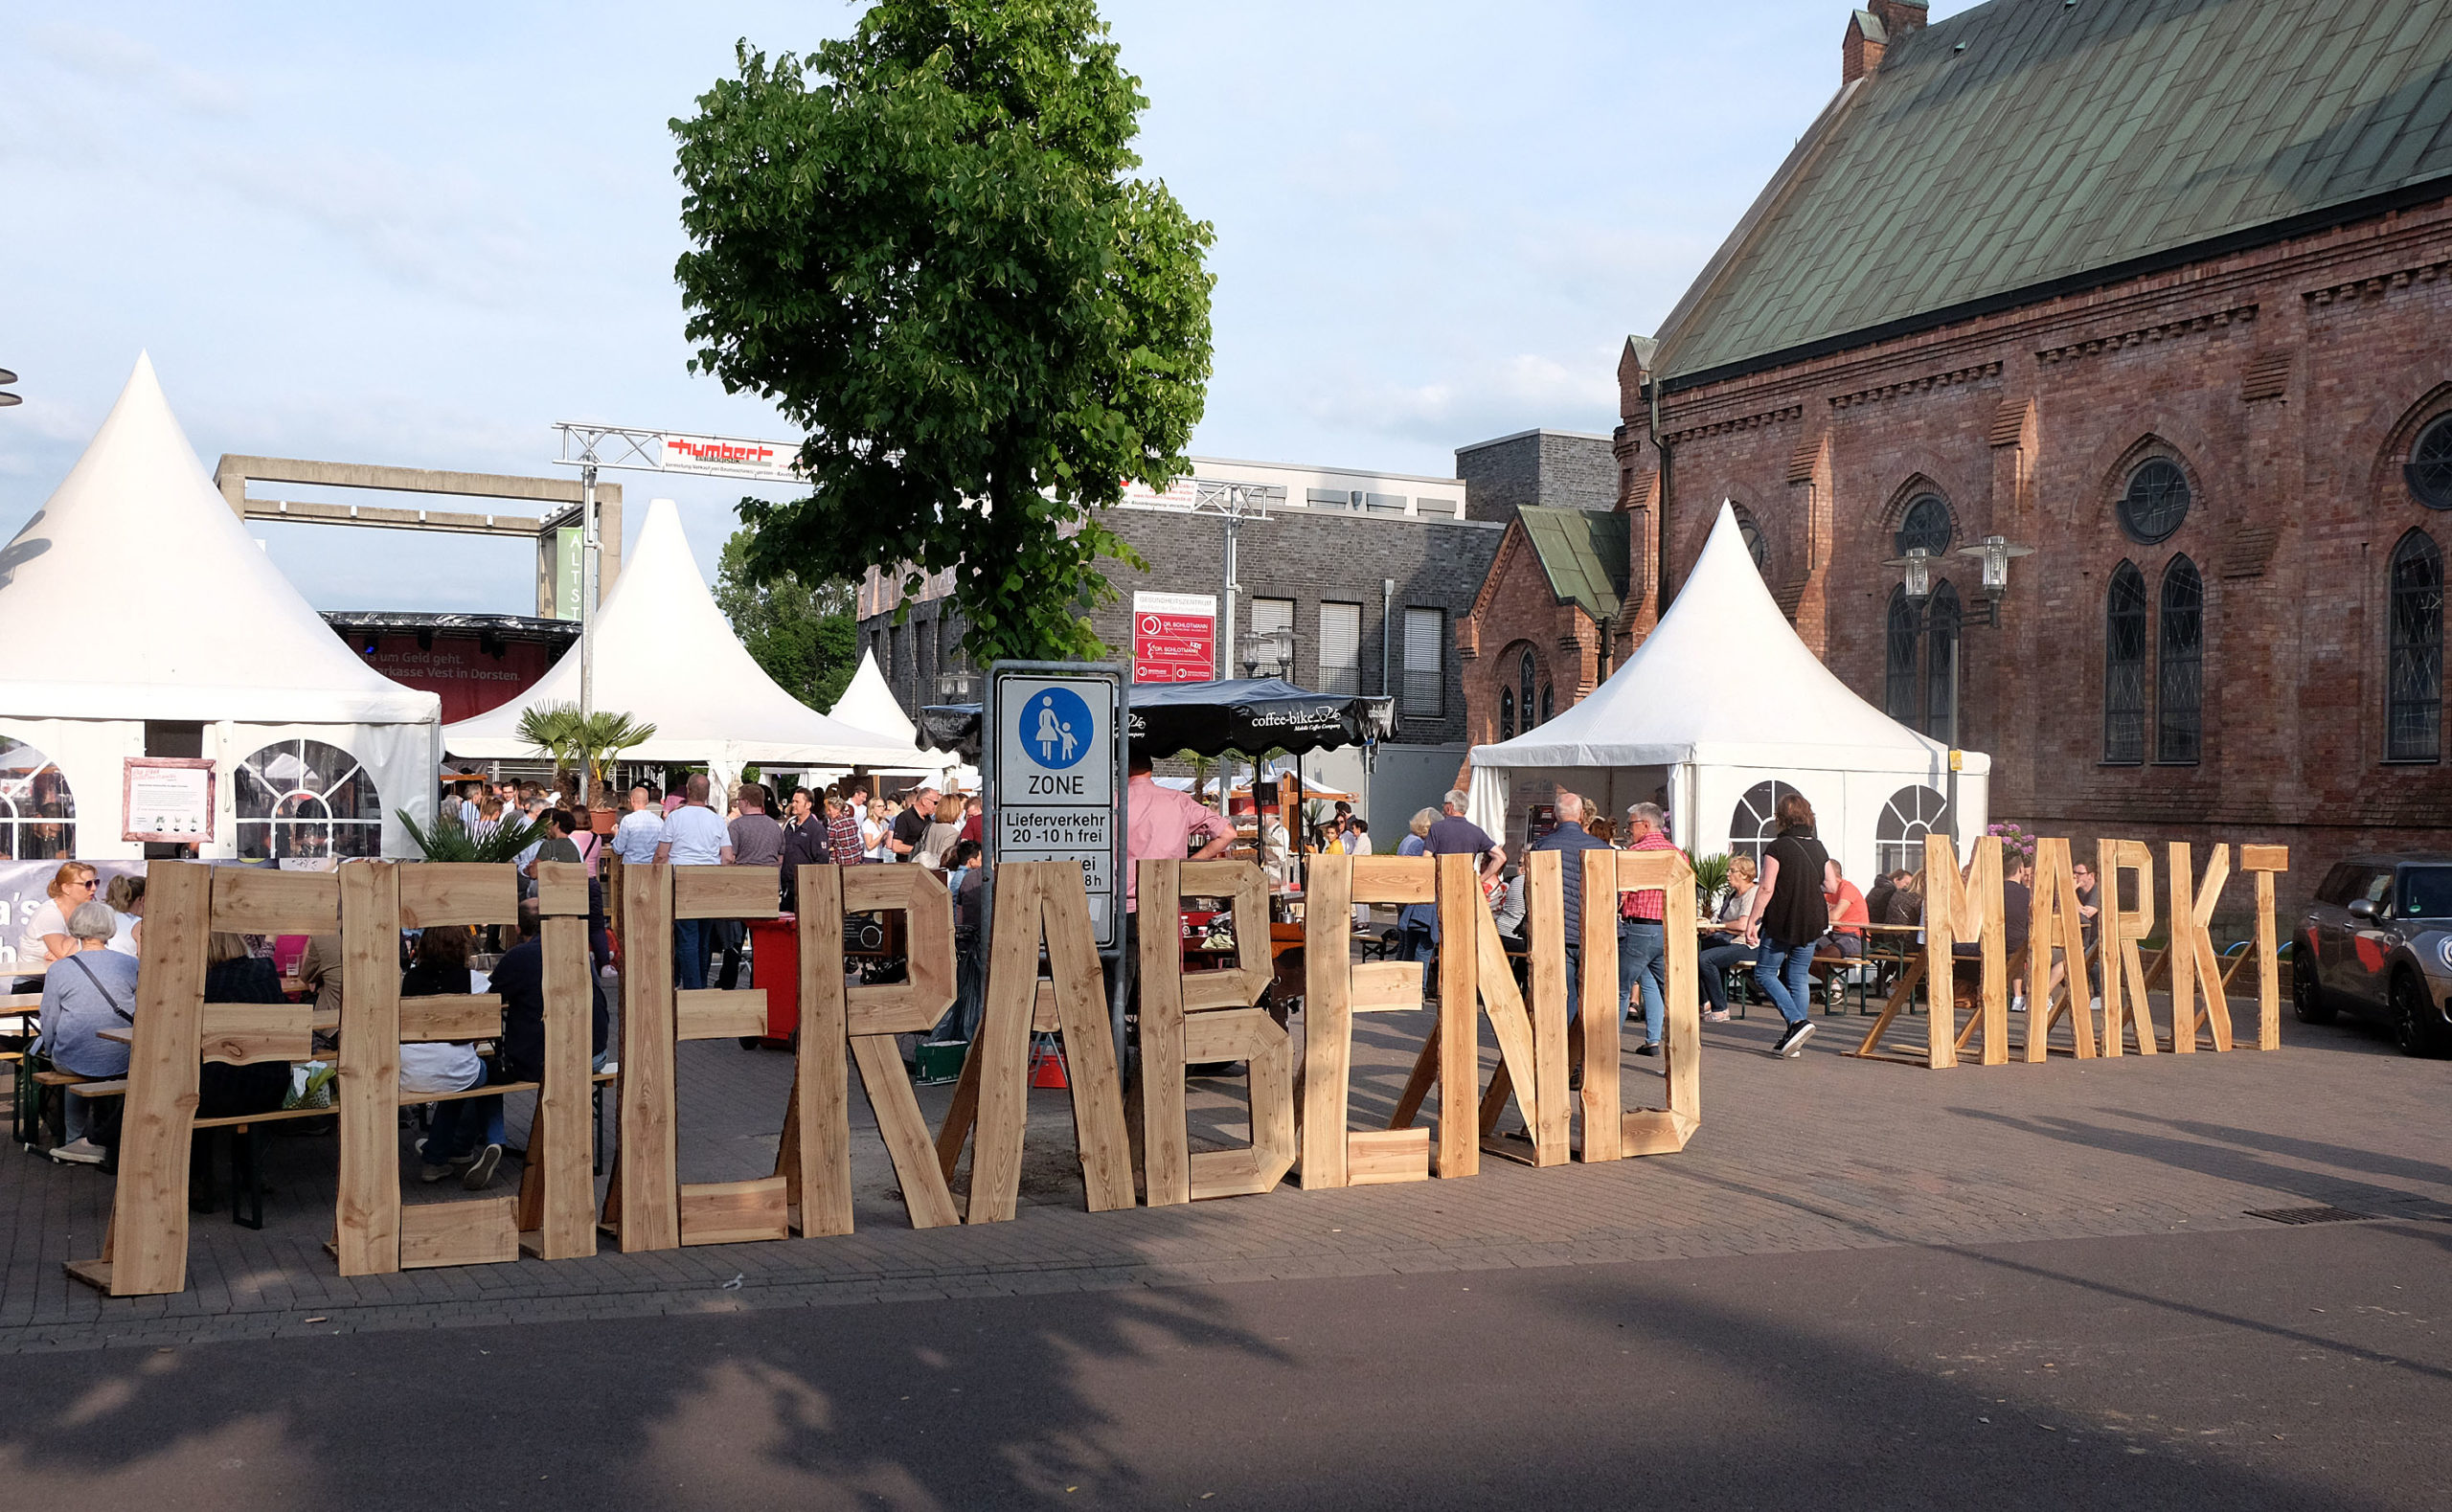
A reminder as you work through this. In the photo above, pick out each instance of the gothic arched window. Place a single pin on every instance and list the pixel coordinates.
(1899, 663)
(1940, 664)
(2179, 681)
(2125, 667)
(2414, 669)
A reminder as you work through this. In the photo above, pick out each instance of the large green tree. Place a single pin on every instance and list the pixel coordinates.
(803, 633)
(923, 244)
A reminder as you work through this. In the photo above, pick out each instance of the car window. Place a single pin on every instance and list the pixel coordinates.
(2426, 892)
(2376, 886)
(2336, 885)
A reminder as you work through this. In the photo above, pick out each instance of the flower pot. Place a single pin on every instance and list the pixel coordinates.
(603, 821)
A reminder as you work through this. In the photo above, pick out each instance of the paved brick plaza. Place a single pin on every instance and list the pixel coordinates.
(1826, 1153)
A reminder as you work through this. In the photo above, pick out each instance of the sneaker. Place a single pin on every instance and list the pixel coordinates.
(1715, 1016)
(83, 1152)
(1649, 1048)
(2017, 1005)
(480, 1174)
(431, 1174)
(1796, 1035)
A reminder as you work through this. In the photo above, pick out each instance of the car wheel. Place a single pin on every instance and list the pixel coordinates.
(2415, 1027)
(2307, 997)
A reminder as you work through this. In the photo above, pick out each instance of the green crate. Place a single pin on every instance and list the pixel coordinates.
(940, 1061)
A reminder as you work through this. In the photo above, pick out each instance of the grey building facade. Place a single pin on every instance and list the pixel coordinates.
(1373, 600)
(1552, 470)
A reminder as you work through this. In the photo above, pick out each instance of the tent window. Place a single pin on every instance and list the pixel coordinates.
(2413, 671)
(1425, 664)
(1507, 713)
(1340, 648)
(1756, 820)
(2179, 684)
(37, 813)
(1940, 665)
(1899, 835)
(2125, 667)
(1525, 674)
(302, 800)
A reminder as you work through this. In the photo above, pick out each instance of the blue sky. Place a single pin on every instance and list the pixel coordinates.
(421, 234)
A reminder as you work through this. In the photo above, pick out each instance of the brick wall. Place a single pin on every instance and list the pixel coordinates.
(2288, 382)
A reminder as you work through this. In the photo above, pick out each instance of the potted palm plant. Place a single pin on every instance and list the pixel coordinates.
(586, 744)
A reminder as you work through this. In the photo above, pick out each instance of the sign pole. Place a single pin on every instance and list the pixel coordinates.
(1055, 754)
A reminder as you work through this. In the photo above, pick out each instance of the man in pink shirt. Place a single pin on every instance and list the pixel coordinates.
(1161, 823)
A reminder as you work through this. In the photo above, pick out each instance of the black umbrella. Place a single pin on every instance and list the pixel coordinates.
(1248, 715)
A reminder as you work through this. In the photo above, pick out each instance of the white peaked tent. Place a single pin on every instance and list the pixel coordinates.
(666, 655)
(869, 704)
(135, 594)
(1721, 700)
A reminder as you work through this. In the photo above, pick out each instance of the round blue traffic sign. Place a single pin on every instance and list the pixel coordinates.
(1055, 727)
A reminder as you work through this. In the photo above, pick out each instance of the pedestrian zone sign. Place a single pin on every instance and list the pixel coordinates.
(1056, 776)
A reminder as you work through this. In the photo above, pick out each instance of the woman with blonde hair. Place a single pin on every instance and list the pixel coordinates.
(876, 830)
(1722, 946)
(46, 938)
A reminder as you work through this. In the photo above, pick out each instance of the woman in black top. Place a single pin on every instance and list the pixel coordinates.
(1789, 915)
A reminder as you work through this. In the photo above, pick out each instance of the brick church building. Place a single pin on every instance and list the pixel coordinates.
(2161, 289)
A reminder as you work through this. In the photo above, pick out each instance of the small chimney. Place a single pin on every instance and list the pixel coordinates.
(1870, 33)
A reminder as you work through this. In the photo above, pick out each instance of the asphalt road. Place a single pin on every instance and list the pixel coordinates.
(2276, 1367)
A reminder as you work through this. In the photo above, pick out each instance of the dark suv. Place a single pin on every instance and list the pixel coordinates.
(2378, 943)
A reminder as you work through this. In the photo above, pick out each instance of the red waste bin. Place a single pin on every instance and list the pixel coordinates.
(775, 966)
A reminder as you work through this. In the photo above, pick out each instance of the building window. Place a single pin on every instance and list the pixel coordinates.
(1919, 663)
(2125, 667)
(1756, 546)
(1340, 646)
(1898, 667)
(38, 812)
(302, 800)
(2414, 673)
(1270, 615)
(2156, 501)
(1756, 822)
(1425, 664)
(1898, 834)
(1925, 524)
(1548, 703)
(1507, 713)
(1940, 664)
(2179, 681)
(2430, 465)
(1525, 674)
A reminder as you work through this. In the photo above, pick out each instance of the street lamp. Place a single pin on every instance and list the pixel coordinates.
(1915, 571)
(1273, 651)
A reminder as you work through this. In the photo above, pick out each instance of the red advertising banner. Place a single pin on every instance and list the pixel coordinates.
(1174, 638)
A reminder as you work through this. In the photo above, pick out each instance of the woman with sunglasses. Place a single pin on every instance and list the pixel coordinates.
(46, 938)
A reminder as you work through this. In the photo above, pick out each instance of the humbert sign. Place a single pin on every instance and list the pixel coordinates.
(1056, 780)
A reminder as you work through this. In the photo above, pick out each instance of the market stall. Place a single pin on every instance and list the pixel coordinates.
(142, 620)
(666, 655)
(1720, 710)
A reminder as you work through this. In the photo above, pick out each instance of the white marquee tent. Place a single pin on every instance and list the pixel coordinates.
(135, 596)
(666, 655)
(869, 704)
(1723, 706)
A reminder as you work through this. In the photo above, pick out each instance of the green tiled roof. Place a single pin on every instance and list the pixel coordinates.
(2028, 144)
(1583, 551)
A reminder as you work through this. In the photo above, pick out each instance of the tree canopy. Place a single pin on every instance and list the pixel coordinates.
(801, 633)
(923, 243)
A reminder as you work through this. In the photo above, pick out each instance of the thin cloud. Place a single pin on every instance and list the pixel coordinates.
(127, 67)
